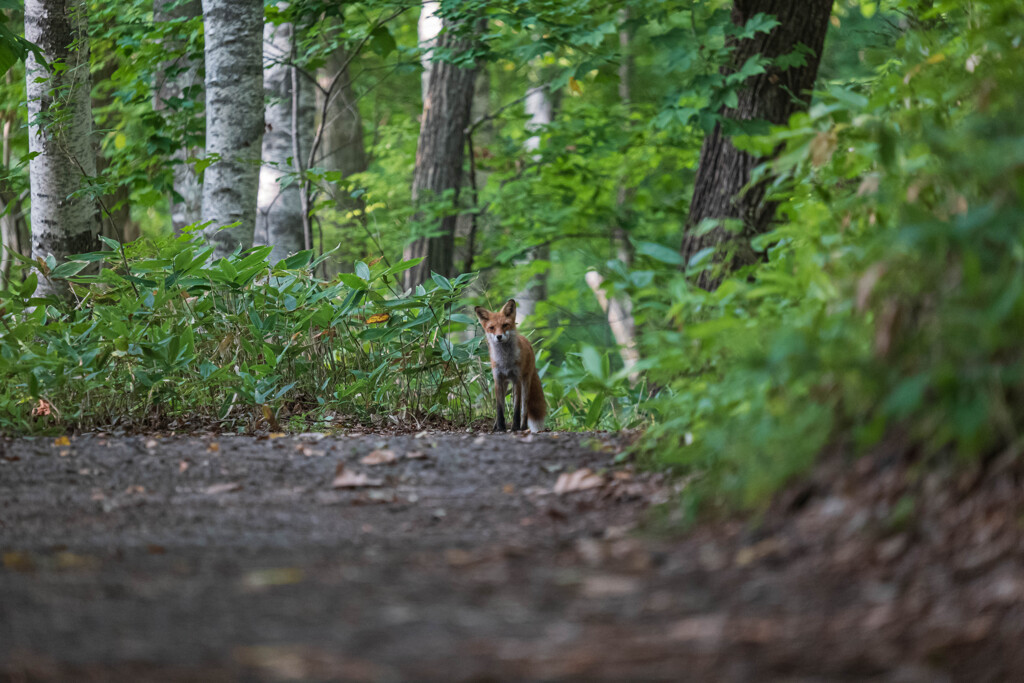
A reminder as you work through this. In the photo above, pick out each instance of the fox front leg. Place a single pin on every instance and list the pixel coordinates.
(517, 406)
(499, 400)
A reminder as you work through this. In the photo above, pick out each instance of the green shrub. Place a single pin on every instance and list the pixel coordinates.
(892, 291)
(168, 332)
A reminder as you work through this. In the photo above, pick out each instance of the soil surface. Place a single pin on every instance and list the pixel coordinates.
(466, 557)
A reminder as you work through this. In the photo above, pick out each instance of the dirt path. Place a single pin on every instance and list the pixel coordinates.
(232, 558)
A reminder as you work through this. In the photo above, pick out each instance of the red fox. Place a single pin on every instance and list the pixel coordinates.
(512, 360)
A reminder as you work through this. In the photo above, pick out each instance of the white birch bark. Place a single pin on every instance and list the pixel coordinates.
(538, 108)
(176, 78)
(427, 28)
(233, 32)
(60, 133)
(286, 145)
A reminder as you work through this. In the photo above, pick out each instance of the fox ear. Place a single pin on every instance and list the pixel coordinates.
(482, 313)
(509, 309)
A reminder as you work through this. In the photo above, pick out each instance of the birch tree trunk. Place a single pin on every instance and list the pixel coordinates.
(772, 96)
(233, 31)
(427, 29)
(60, 133)
(281, 217)
(440, 152)
(538, 107)
(176, 78)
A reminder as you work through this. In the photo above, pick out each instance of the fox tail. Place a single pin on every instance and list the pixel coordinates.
(536, 406)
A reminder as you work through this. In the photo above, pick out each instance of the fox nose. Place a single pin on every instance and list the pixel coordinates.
(501, 337)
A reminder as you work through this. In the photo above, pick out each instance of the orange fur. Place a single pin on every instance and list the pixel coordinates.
(513, 361)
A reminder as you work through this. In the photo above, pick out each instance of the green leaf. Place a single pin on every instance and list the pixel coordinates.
(297, 261)
(660, 252)
(353, 281)
(382, 42)
(69, 268)
(112, 243)
(442, 282)
(592, 362)
(595, 411)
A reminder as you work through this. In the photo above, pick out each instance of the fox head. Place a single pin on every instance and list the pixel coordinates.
(500, 326)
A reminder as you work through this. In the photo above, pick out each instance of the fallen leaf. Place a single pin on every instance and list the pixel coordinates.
(508, 489)
(609, 586)
(182, 466)
(580, 480)
(381, 456)
(19, 562)
(276, 435)
(152, 443)
(62, 441)
(415, 455)
(277, 576)
(226, 487)
(213, 447)
(155, 549)
(346, 479)
(41, 409)
(378, 318)
(752, 553)
(271, 419)
(69, 560)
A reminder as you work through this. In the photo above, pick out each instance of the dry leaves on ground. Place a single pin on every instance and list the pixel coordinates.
(347, 479)
(580, 480)
(226, 487)
(382, 456)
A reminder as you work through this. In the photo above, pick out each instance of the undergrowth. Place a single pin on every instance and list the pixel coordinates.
(891, 294)
(164, 331)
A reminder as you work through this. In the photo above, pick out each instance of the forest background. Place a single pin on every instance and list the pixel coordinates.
(870, 277)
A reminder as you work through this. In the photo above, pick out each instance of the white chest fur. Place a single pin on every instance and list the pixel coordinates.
(505, 355)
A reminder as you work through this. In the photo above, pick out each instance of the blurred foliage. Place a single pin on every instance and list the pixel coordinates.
(892, 291)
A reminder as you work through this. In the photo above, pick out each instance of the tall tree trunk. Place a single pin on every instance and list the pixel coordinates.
(343, 148)
(439, 154)
(60, 132)
(427, 29)
(538, 107)
(479, 137)
(281, 218)
(177, 77)
(234, 119)
(772, 96)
